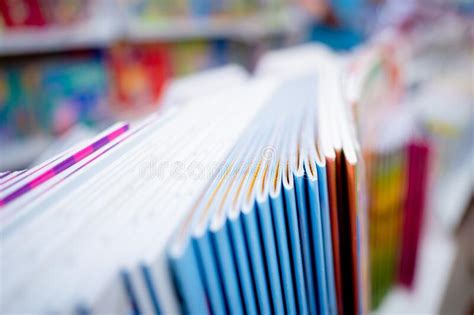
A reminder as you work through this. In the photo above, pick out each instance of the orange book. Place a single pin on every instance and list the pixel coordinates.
(332, 190)
(352, 209)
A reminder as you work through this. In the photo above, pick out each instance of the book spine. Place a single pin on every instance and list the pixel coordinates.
(295, 249)
(243, 265)
(282, 240)
(189, 286)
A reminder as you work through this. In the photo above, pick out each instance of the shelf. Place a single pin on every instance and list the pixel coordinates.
(93, 33)
(247, 28)
(102, 30)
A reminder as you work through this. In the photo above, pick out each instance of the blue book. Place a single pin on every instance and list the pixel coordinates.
(282, 241)
(317, 243)
(250, 223)
(210, 273)
(189, 285)
(326, 224)
(268, 241)
(150, 285)
(141, 292)
(226, 264)
(130, 292)
(295, 248)
(243, 265)
(303, 220)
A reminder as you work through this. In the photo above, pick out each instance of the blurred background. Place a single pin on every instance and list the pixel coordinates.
(70, 68)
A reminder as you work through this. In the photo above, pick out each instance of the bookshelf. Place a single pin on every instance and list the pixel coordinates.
(103, 30)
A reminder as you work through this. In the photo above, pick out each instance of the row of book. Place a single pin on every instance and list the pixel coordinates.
(164, 9)
(244, 200)
(242, 195)
(397, 154)
(398, 159)
(397, 188)
(43, 14)
(47, 94)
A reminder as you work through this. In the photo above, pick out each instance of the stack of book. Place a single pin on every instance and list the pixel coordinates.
(248, 199)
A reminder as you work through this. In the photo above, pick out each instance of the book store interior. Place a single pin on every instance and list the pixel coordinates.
(184, 181)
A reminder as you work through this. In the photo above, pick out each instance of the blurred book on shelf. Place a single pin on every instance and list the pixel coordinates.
(93, 62)
(99, 24)
(49, 94)
(402, 105)
(138, 75)
(24, 14)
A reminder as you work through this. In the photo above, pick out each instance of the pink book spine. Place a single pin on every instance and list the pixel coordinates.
(417, 175)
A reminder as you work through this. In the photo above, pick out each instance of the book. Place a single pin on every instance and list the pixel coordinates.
(245, 199)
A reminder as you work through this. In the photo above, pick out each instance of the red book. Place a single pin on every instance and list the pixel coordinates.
(139, 74)
(417, 175)
(22, 13)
